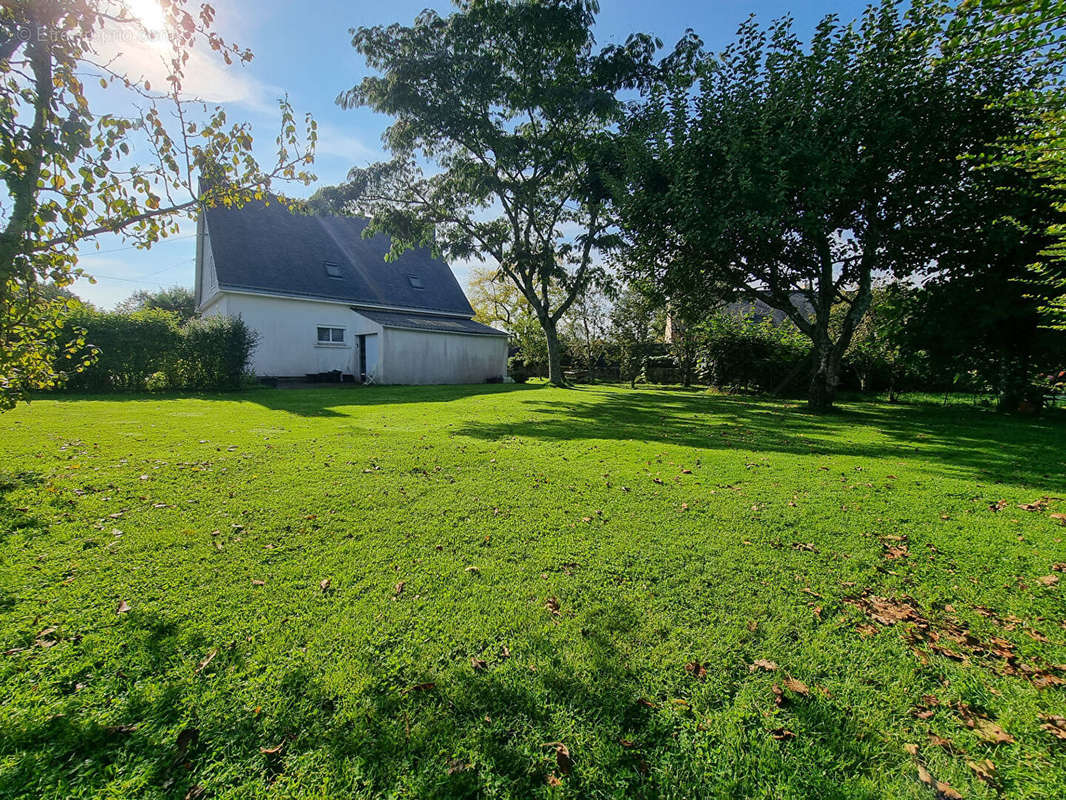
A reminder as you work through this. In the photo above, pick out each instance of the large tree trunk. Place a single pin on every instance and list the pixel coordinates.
(555, 352)
(825, 377)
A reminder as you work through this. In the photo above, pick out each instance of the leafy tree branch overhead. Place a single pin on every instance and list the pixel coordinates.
(72, 172)
(502, 113)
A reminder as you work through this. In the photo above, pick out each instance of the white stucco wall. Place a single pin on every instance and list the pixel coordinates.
(288, 345)
(423, 357)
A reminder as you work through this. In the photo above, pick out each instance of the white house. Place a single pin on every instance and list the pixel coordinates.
(322, 298)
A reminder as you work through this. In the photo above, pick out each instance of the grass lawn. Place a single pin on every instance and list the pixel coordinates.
(507, 591)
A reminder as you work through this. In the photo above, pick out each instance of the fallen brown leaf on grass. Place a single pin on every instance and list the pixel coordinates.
(552, 604)
(779, 696)
(984, 769)
(562, 757)
(324, 584)
(1054, 724)
(206, 660)
(257, 582)
(797, 686)
(397, 590)
(895, 552)
(1060, 518)
(421, 687)
(807, 546)
(123, 607)
(696, 670)
(272, 751)
(762, 663)
(911, 749)
(943, 790)
(887, 611)
(982, 726)
(1048, 580)
(477, 663)
(1038, 505)
(782, 734)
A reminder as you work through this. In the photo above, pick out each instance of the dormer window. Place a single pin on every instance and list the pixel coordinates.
(416, 282)
(333, 269)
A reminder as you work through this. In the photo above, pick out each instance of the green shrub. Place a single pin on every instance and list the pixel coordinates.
(148, 350)
(215, 352)
(127, 349)
(738, 352)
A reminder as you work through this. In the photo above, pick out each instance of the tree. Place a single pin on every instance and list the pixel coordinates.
(632, 320)
(789, 169)
(72, 173)
(983, 303)
(880, 347)
(585, 328)
(510, 105)
(178, 299)
(1034, 33)
(495, 300)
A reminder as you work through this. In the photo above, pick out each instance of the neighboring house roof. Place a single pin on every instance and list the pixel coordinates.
(267, 248)
(425, 322)
(760, 311)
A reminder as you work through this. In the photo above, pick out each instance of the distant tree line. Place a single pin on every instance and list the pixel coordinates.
(912, 338)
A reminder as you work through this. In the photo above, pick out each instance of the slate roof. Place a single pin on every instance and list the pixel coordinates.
(423, 322)
(267, 248)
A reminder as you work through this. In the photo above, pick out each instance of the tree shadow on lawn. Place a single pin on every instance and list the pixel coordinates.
(309, 401)
(973, 443)
(17, 518)
(498, 728)
(163, 729)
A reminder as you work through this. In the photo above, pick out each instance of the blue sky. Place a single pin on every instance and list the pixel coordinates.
(304, 49)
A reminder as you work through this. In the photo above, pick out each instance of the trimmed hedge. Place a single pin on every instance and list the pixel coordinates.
(738, 352)
(150, 350)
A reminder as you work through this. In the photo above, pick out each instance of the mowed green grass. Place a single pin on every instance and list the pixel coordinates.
(422, 592)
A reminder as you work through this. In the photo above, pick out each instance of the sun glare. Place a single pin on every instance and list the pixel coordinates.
(148, 12)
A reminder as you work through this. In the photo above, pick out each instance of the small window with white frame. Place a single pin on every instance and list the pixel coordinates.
(330, 335)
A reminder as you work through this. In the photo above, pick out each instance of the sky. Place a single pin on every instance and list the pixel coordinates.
(303, 50)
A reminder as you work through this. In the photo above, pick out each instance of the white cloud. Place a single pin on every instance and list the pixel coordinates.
(335, 141)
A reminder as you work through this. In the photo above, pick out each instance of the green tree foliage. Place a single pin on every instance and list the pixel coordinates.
(584, 329)
(1034, 34)
(71, 172)
(881, 353)
(981, 310)
(807, 169)
(633, 331)
(178, 299)
(509, 103)
(738, 351)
